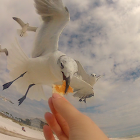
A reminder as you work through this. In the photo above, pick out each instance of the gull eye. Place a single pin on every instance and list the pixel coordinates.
(62, 66)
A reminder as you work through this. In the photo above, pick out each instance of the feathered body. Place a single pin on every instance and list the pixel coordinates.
(25, 27)
(48, 65)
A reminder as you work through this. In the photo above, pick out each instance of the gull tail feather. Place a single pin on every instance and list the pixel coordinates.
(17, 64)
(19, 32)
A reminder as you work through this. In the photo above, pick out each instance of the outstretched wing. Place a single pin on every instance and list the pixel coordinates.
(32, 29)
(4, 50)
(81, 72)
(9, 101)
(19, 21)
(55, 16)
(81, 88)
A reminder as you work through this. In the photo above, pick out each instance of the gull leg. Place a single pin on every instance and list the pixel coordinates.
(21, 35)
(84, 100)
(24, 97)
(7, 85)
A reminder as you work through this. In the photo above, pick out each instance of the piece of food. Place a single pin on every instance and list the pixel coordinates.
(60, 89)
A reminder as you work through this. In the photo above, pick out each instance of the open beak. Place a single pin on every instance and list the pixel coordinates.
(67, 79)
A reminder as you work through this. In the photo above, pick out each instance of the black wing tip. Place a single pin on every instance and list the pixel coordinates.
(6, 53)
(15, 18)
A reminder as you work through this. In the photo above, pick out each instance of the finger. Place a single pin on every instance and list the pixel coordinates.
(48, 133)
(67, 111)
(54, 125)
(61, 121)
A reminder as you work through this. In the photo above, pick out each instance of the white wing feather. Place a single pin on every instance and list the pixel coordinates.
(21, 23)
(55, 16)
(17, 63)
(81, 72)
(32, 29)
(81, 88)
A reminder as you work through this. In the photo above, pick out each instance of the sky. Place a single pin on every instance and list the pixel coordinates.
(104, 35)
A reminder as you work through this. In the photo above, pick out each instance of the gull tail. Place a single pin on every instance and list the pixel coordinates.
(17, 64)
(19, 32)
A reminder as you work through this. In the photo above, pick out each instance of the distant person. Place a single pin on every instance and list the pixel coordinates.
(23, 129)
(68, 123)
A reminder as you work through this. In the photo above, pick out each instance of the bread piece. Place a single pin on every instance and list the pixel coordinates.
(60, 89)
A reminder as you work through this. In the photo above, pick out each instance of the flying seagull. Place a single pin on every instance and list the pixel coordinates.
(90, 79)
(5, 99)
(47, 66)
(25, 27)
(4, 50)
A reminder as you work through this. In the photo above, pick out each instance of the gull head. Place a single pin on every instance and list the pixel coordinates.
(68, 68)
(95, 76)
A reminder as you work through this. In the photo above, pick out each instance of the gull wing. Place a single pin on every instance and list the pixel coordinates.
(4, 50)
(81, 88)
(10, 101)
(82, 73)
(21, 23)
(32, 29)
(86, 77)
(55, 16)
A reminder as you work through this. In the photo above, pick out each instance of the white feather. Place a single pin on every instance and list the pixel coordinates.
(43, 67)
(55, 17)
(19, 31)
(17, 64)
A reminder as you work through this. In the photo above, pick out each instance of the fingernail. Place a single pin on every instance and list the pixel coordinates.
(56, 96)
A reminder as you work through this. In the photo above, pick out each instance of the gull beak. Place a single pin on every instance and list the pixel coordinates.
(67, 79)
(98, 77)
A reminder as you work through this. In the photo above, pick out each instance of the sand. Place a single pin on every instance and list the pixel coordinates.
(10, 130)
(136, 138)
(11, 126)
(5, 137)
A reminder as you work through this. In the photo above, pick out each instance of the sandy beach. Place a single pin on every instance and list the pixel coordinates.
(10, 130)
(136, 138)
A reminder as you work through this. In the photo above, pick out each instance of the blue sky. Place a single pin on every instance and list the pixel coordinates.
(104, 35)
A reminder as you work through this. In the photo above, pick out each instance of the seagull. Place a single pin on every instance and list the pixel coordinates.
(47, 65)
(90, 79)
(5, 99)
(4, 50)
(25, 27)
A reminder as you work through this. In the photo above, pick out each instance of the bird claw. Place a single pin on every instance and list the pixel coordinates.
(21, 100)
(7, 85)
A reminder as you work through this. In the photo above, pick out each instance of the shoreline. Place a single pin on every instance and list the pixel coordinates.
(135, 138)
(13, 134)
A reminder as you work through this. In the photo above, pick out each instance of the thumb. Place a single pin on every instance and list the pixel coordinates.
(67, 111)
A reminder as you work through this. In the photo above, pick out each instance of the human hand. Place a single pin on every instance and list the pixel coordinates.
(68, 123)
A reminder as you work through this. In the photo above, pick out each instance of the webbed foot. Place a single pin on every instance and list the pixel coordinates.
(7, 85)
(21, 100)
